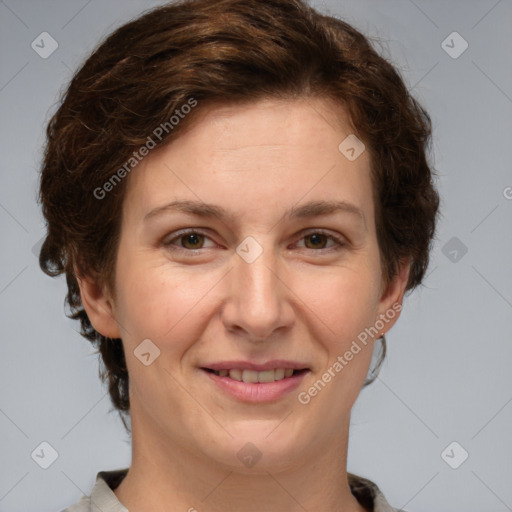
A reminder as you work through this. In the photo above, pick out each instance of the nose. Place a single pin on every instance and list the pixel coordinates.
(258, 305)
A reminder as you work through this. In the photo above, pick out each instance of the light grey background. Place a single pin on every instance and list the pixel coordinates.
(448, 374)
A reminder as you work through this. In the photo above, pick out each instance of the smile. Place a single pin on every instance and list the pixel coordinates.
(255, 386)
(255, 376)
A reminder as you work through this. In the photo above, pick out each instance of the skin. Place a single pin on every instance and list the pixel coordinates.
(298, 301)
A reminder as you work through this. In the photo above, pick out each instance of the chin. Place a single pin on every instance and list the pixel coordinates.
(258, 447)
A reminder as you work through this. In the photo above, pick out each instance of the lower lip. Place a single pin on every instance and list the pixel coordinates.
(258, 391)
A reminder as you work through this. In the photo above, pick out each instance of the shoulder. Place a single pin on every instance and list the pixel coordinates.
(369, 495)
(84, 505)
(102, 497)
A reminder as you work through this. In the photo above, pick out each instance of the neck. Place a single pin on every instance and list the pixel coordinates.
(165, 476)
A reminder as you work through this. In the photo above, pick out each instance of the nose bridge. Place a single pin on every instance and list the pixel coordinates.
(257, 297)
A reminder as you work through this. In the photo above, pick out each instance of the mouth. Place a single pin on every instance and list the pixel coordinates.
(253, 376)
(248, 382)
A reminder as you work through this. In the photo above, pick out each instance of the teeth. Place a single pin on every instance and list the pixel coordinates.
(266, 376)
(236, 374)
(249, 376)
(279, 373)
(252, 376)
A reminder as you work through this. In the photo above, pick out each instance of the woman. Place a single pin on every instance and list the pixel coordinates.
(239, 203)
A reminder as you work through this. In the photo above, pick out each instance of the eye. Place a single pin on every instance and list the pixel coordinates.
(318, 239)
(193, 240)
(189, 241)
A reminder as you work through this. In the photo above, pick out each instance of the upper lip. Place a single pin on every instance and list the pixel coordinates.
(248, 365)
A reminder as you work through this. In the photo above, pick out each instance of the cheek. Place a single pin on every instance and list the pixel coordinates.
(342, 306)
(162, 303)
(345, 301)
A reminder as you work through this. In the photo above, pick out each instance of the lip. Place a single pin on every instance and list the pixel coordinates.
(248, 365)
(255, 392)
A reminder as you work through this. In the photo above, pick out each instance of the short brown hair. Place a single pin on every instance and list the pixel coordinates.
(221, 51)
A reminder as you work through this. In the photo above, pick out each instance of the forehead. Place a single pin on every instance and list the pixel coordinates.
(255, 156)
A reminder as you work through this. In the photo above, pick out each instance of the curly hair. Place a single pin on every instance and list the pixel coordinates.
(227, 51)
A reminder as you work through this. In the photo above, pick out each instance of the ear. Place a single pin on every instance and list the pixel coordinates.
(99, 306)
(393, 295)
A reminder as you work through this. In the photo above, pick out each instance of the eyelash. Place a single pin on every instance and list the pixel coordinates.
(169, 244)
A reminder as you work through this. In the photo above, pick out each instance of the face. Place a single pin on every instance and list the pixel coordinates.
(253, 272)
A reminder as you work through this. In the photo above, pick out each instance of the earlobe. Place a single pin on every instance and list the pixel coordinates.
(391, 300)
(99, 306)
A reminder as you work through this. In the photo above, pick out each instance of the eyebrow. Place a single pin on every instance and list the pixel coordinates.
(308, 210)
